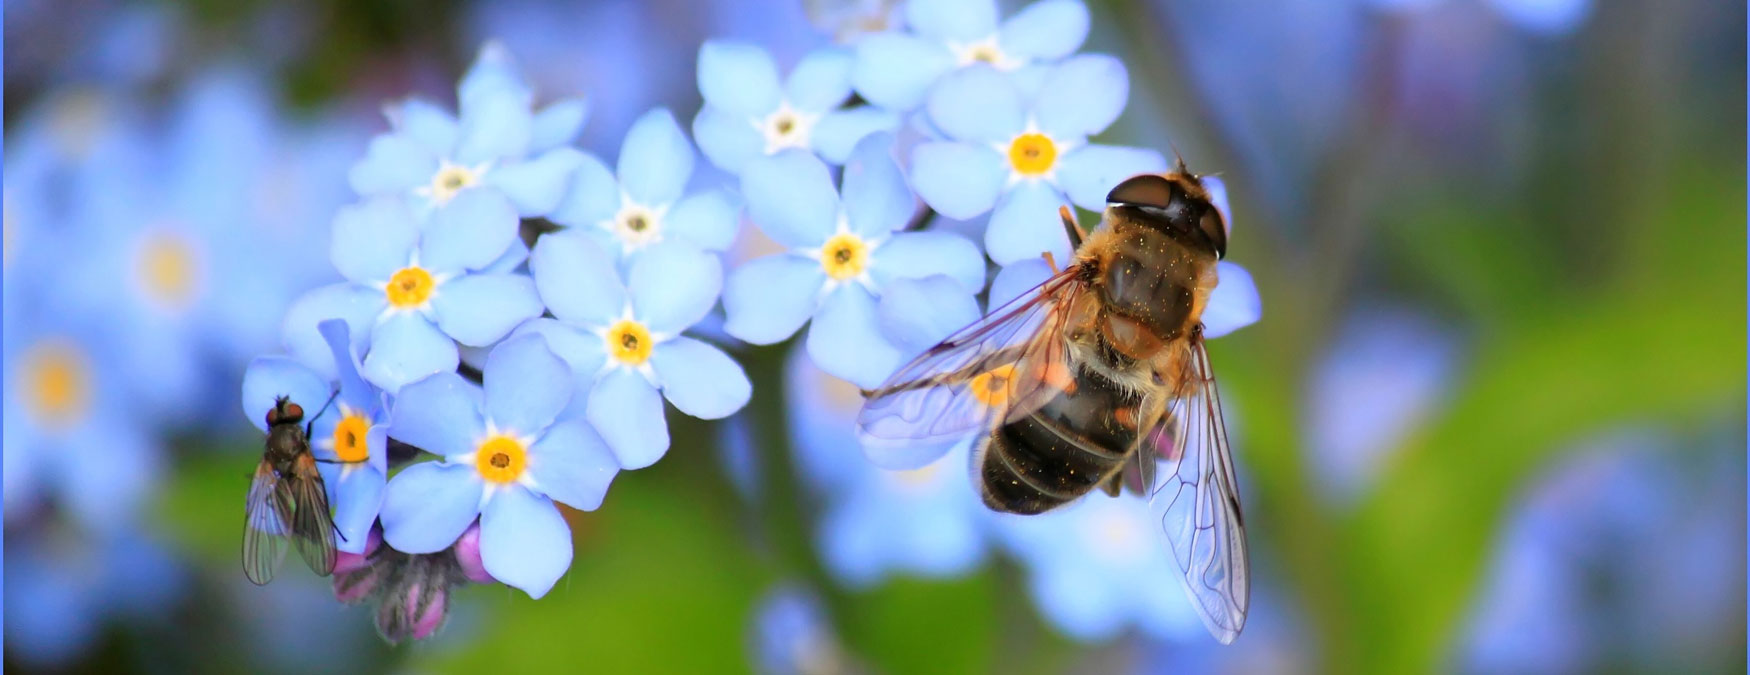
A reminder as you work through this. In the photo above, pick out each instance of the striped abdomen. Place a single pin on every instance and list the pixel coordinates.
(1072, 444)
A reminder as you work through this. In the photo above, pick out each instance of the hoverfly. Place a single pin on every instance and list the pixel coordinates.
(1101, 365)
(287, 499)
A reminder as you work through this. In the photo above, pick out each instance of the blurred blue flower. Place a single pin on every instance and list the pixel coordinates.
(896, 70)
(499, 146)
(622, 338)
(647, 203)
(1022, 155)
(507, 457)
(414, 291)
(748, 113)
(791, 635)
(843, 254)
(63, 588)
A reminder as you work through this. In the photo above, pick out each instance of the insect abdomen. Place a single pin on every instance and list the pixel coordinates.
(1061, 451)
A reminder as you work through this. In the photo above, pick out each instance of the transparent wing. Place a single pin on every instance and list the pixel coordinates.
(1007, 364)
(267, 519)
(1196, 498)
(312, 524)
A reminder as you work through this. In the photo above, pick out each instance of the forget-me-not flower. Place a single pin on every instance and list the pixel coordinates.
(507, 457)
(1022, 155)
(896, 69)
(843, 253)
(749, 113)
(646, 203)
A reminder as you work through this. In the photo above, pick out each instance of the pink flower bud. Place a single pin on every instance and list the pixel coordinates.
(468, 556)
(426, 612)
(346, 563)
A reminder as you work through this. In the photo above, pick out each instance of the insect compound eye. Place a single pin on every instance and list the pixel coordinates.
(293, 413)
(1214, 226)
(1146, 190)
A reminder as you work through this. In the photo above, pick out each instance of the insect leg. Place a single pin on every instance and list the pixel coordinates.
(1070, 227)
(311, 425)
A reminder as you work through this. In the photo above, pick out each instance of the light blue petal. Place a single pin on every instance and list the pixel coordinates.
(536, 186)
(1082, 96)
(354, 391)
(1026, 225)
(493, 74)
(572, 464)
(1217, 189)
(895, 70)
(425, 122)
(738, 78)
(1045, 30)
(582, 352)
(439, 414)
(498, 127)
(405, 346)
(918, 313)
(1013, 280)
(358, 499)
(1088, 173)
(699, 379)
(706, 219)
(524, 542)
(821, 81)
(768, 299)
(358, 306)
(838, 133)
(479, 309)
(512, 259)
(876, 198)
(958, 180)
(977, 104)
(576, 278)
(627, 412)
(392, 163)
(729, 140)
(673, 286)
(846, 342)
(790, 196)
(655, 160)
(956, 20)
(428, 505)
(914, 255)
(270, 377)
(592, 196)
(470, 232)
(373, 239)
(1234, 304)
(526, 385)
(558, 124)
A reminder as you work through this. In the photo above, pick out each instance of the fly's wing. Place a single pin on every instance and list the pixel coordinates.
(1003, 366)
(312, 524)
(267, 520)
(1196, 499)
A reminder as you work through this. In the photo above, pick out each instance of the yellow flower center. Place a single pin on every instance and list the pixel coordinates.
(919, 477)
(501, 459)
(985, 53)
(1032, 154)
(349, 438)
(55, 381)
(451, 179)
(167, 269)
(629, 342)
(410, 287)
(844, 256)
(994, 387)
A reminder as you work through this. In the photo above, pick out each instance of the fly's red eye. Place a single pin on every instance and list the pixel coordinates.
(293, 412)
(273, 416)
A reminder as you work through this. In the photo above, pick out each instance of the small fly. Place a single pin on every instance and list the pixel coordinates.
(287, 499)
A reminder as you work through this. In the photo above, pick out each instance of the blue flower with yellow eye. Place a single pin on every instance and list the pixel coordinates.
(1017, 156)
(896, 69)
(749, 113)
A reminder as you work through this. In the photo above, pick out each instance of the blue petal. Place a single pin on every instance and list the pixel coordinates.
(821, 81)
(738, 78)
(918, 313)
(524, 542)
(572, 464)
(479, 309)
(1026, 225)
(592, 196)
(492, 75)
(706, 219)
(558, 124)
(373, 239)
(673, 286)
(1013, 280)
(470, 232)
(439, 414)
(354, 391)
(526, 385)
(405, 346)
(977, 104)
(425, 122)
(845, 340)
(392, 163)
(627, 412)
(358, 306)
(895, 70)
(582, 352)
(956, 20)
(498, 127)
(536, 186)
(1234, 304)
(914, 255)
(876, 198)
(1082, 96)
(655, 160)
(790, 196)
(359, 497)
(700, 379)
(428, 505)
(838, 133)
(577, 279)
(269, 377)
(768, 299)
(1045, 30)
(512, 259)
(1089, 172)
(730, 141)
(958, 180)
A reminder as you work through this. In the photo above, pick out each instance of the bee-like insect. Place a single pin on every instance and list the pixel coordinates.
(1100, 367)
(287, 499)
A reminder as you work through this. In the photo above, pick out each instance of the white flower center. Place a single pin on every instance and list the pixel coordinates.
(636, 225)
(786, 127)
(451, 179)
